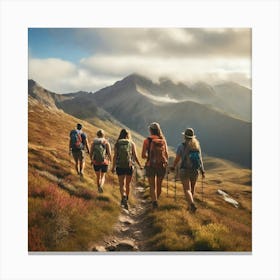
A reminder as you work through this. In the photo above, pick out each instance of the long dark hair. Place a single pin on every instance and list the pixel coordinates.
(124, 134)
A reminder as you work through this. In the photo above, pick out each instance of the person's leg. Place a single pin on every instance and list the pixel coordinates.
(104, 169)
(102, 179)
(159, 184)
(193, 179)
(77, 166)
(98, 175)
(127, 184)
(187, 190)
(151, 180)
(82, 162)
(76, 160)
(193, 183)
(121, 184)
(188, 194)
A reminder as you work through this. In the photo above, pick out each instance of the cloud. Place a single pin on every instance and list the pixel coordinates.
(109, 54)
(179, 69)
(62, 76)
(175, 42)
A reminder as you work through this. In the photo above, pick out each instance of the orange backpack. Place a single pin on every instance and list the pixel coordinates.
(157, 153)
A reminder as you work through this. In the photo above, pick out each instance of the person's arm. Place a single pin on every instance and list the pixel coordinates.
(114, 159)
(144, 150)
(91, 152)
(87, 146)
(108, 151)
(202, 170)
(177, 159)
(134, 154)
(166, 151)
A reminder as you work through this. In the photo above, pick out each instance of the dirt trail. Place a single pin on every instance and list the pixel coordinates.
(129, 231)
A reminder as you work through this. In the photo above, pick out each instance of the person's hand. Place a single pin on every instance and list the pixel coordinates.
(203, 175)
(113, 170)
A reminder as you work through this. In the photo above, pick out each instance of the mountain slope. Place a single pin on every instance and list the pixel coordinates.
(237, 99)
(219, 132)
(67, 214)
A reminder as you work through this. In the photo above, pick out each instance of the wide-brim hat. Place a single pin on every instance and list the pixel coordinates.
(189, 133)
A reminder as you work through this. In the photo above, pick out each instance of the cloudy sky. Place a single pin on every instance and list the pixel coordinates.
(66, 60)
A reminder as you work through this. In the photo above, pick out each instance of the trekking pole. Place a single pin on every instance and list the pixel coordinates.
(202, 185)
(135, 181)
(175, 178)
(167, 182)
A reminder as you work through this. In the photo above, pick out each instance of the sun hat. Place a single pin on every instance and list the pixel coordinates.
(189, 133)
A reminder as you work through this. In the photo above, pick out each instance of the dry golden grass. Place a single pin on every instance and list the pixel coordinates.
(67, 214)
(216, 225)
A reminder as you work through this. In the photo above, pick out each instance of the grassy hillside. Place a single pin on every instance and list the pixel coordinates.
(67, 214)
(216, 225)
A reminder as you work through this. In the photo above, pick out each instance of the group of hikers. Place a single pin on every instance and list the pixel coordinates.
(124, 159)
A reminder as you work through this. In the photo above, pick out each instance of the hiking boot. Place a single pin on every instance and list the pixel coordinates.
(100, 189)
(155, 204)
(124, 202)
(192, 208)
(125, 205)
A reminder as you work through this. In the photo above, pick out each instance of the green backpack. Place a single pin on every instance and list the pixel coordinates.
(124, 153)
(99, 151)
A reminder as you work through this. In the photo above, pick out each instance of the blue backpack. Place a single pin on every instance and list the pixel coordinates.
(76, 140)
(195, 159)
(191, 159)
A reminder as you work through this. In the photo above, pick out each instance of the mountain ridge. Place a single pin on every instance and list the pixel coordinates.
(218, 131)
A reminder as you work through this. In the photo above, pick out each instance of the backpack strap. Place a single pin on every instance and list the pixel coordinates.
(150, 140)
(184, 156)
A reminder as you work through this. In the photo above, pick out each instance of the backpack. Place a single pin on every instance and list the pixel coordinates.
(191, 159)
(76, 140)
(157, 153)
(99, 150)
(195, 159)
(124, 153)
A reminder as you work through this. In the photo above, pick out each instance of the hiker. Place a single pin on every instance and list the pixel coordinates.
(125, 156)
(189, 152)
(100, 155)
(155, 152)
(77, 144)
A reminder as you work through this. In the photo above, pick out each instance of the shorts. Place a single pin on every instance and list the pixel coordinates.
(124, 171)
(152, 171)
(103, 168)
(191, 174)
(78, 155)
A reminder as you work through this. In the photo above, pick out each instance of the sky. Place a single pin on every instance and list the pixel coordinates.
(65, 60)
